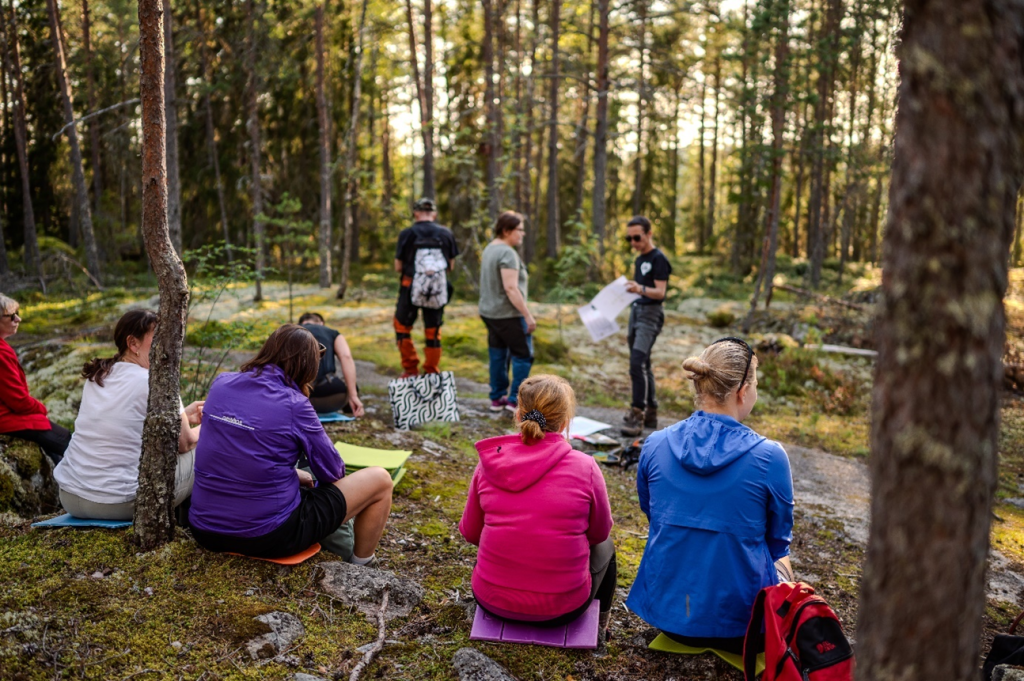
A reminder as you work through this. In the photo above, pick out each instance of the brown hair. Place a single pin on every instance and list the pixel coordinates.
(314, 317)
(553, 397)
(719, 370)
(132, 324)
(507, 222)
(295, 351)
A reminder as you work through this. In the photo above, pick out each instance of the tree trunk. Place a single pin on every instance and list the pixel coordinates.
(92, 255)
(528, 204)
(351, 155)
(13, 62)
(941, 330)
(491, 146)
(90, 95)
(712, 180)
(324, 240)
(599, 208)
(669, 235)
(154, 520)
(252, 125)
(780, 97)
(641, 96)
(426, 105)
(582, 134)
(171, 104)
(211, 135)
(702, 214)
(553, 221)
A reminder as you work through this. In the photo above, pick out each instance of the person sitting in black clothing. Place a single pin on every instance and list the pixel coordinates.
(330, 392)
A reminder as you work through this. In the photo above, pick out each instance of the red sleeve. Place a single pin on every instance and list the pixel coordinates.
(13, 388)
(600, 508)
(472, 524)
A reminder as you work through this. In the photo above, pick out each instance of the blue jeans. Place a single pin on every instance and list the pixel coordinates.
(508, 346)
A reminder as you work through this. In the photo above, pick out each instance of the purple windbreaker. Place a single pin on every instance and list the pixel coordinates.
(255, 428)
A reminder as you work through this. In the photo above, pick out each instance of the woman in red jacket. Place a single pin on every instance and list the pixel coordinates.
(21, 415)
(539, 511)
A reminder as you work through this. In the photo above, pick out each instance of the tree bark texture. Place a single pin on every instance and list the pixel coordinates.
(492, 146)
(154, 520)
(211, 134)
(701, 212)
(553, 221)
(171, 104)
(941, 328)
(92, 255)
(252, 125)
(95, 147)
(324, 236)
(599, 209)
(709, 222)
(352, 155)
(641, 97)
(426, 108)
(13, 61)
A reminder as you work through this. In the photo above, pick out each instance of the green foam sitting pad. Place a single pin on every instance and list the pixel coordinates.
(392, 460)
(666, 645)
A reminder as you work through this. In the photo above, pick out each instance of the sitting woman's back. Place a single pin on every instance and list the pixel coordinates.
(719, 498)
(538, 510)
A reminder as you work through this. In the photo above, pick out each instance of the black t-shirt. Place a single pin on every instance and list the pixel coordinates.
(424, 235)
(648, 268)
(326, 336)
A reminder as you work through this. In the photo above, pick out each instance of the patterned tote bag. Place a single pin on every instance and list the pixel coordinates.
(421, 399)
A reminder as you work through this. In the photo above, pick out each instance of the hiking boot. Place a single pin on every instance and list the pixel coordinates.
(633, 422)
(511, 406)
(651, 418)
(499, 404)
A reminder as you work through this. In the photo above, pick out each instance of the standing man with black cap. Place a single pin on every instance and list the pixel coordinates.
(650, 281)
(424, 257)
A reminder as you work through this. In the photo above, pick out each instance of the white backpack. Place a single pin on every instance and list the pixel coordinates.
(430, 279)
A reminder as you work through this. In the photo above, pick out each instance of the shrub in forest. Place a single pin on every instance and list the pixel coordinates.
(721, 318)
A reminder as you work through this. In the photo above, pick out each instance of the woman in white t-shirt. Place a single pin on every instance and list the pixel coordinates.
(99, 475)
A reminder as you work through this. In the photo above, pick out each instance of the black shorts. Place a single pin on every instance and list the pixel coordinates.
(406, 312)
(509, 333)
(320, 512)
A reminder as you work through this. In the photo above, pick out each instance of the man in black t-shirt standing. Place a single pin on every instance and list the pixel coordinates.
(646, 317)
(425, 234)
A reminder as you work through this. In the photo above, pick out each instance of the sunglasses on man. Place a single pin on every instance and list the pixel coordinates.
(634, 237)
(750, 353)
(322, 349)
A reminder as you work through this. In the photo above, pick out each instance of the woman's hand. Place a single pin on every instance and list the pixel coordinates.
(194, 412)
(305, 479)
(357, 406)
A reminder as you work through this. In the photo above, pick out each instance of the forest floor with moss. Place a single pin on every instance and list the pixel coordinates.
(85, 604)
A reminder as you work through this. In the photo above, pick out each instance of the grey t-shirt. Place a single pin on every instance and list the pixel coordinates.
(494, 302)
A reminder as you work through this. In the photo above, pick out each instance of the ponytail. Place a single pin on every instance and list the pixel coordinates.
(132, 324)
(546, 405)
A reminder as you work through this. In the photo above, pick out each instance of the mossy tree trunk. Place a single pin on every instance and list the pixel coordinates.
(154, 522)
(957, 166)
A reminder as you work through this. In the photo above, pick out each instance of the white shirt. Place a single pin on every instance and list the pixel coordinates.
(101, 463)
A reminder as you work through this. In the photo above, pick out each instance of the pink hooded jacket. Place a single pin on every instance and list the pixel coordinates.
(534, 511)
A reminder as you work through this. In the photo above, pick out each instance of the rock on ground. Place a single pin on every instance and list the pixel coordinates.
(27, 486)
(1005, 672)
(363, 588)
(472, 665)
(306, 677)
(284, 629)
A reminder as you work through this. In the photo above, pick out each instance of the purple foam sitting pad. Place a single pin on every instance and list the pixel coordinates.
(581, 633)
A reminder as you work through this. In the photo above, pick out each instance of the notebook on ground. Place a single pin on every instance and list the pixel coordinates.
(666, 645)
(362, 457)
(581, 633)
(68, 520)
(334, 417)
(300, 557)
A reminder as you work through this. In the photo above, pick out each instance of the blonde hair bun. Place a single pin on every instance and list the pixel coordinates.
(697, 367)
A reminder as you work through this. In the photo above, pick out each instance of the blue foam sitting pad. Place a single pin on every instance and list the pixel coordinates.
(334, 417)
(68, 520)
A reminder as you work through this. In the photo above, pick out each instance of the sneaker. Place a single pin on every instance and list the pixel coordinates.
(498, 404)
(511, 406)
(651, 418)
(633, 422)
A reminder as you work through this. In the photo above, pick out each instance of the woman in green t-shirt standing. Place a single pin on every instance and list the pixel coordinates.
(503, 308)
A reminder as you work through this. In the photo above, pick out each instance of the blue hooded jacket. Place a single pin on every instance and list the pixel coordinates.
(719, 498)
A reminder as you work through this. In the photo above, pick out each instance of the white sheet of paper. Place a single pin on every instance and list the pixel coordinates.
(613, 299)
(599, 326)
(582, 426)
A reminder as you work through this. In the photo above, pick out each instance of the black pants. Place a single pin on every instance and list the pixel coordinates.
(53, 442)
(645, 323)
(330, 395)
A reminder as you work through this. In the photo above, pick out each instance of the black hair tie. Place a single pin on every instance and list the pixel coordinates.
(536, 417)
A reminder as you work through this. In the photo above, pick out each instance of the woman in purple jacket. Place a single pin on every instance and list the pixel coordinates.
(248, 496)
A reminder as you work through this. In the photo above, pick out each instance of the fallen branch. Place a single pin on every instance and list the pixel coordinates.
(92, 115)
(842, 350)
(819, 296)
(71, 261)
(377, 645)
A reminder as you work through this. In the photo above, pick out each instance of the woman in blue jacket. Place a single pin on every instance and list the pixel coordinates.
(719, 498)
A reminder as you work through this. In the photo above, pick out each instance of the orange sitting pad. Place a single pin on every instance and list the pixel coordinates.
(300, 557)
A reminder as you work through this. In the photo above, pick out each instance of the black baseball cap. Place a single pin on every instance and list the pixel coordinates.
(425, 205)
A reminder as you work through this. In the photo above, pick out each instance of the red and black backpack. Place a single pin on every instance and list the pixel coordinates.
(800, 634)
